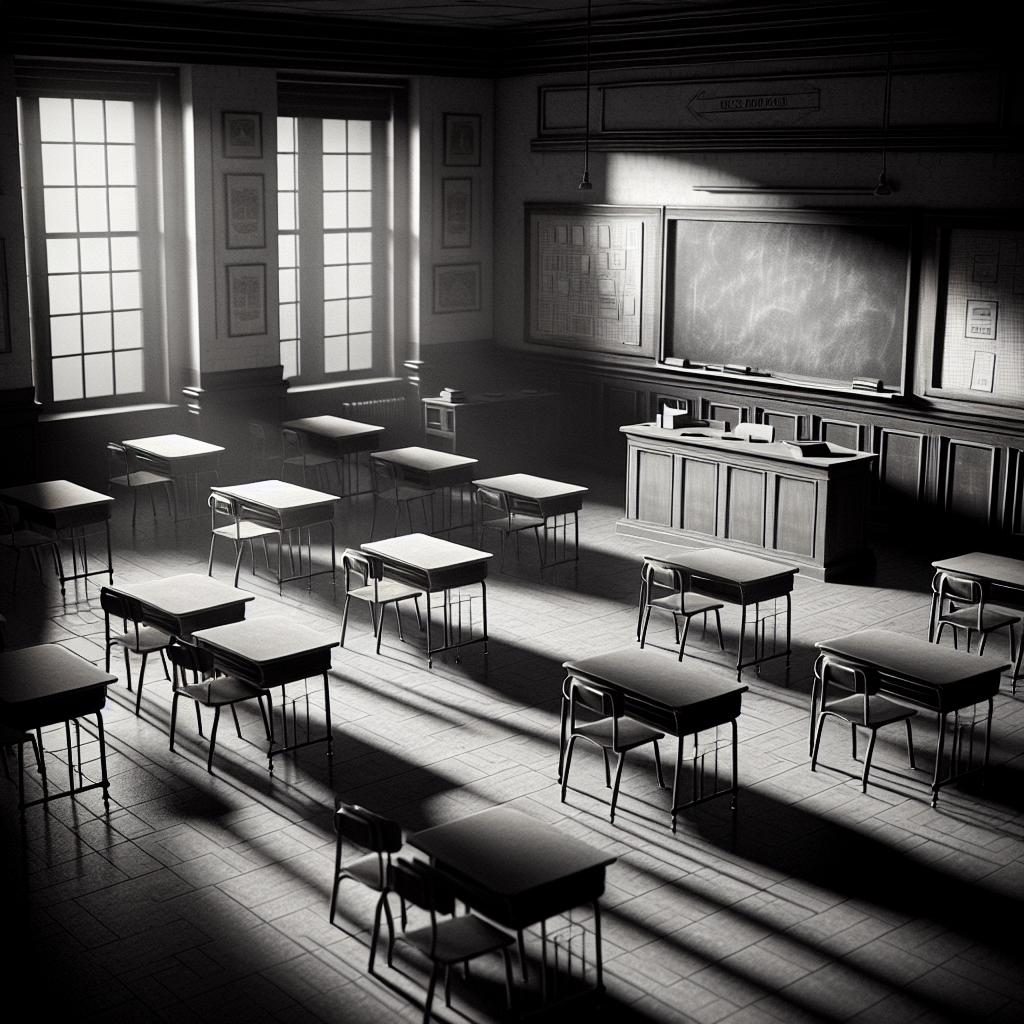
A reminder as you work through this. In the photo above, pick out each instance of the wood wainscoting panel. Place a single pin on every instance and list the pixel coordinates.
(796, 515)
(849, 435)
(699, 498)
(728, 413)
(742, 512)
(651, 495)
(1015, 494)
(902, 457)
(789, 426)
(969, 472)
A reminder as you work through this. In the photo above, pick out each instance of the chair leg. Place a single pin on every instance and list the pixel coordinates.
(615, 788)
(234, 715)
(853, 740)
(209, 561)
(163, 661)
(817, 741)
(565, 767)
(128, 669)
(337, 879)
(213, 739)
(142, 675)
(910, 743)
(375, 934)
(430, 994)
(657, 765)
(607, 769)
(643, 625)
(686, 630)
(398, 619)
(718, 624)
(344, 618)
(867, 761)
(981, 646)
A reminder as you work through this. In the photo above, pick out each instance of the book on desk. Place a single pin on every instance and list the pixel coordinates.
(803, 449)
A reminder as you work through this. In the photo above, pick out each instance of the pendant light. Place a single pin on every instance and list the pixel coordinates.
(585, 184)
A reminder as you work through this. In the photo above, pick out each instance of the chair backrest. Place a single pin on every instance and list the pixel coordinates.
(658, 573)
(488, 499)
(959, 588)
(385, 477)
(118, 463)
(847, 675)
(122, 607)
(367, 829)
(594, 697)
(755, 431)
(189, 657)
(422, 885)
(369, 567)
(291, 443)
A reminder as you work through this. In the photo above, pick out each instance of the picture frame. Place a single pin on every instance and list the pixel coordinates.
(5, 319)
(243, 135)
(982, 319)
(456, 287)
(247, 299)
(245, 211)
(456, 213)
(462, 140)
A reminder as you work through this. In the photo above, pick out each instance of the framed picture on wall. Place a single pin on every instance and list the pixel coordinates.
(456, 213)
(247, 299)
(456, 287)
(243, 134)
(462, 140)
(243, 199)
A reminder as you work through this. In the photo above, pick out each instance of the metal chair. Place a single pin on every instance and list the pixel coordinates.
(387, 487)
(444, 942)
(125, 470)
(754, 431)
(861, 708)
(660, 576)
(494, 511)
(612, 732)
(294, 454)
(961, 605)
(378, 837)
(19, 538)
(208, 690)
(239, 531)
(136, 638)
(375, 591)
(264, 463)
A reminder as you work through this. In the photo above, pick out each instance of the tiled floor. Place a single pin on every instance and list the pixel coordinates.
(204, 897)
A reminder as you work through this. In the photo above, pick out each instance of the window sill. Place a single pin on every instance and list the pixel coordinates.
(120, 410)
(342, 385)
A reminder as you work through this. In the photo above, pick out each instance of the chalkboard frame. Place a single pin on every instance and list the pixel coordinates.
(901, 221)
(651, 219)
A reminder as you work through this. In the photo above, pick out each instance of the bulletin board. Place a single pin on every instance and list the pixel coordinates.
(980, 332)
(593, 275)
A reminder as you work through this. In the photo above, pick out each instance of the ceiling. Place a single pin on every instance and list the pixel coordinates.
(486, 14)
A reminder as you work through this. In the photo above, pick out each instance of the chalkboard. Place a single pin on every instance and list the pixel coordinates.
(806, 296)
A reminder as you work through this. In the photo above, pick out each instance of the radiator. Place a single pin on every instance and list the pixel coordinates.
(381, 412)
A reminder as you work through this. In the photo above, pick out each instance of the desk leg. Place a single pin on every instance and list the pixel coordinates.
(940, 747)
(675, 777)
(789, 628)
(735, 764)
(743, 633)
(430, 660)
(563, 712)
(932, 608)
(483, 597)
(334, 557)
(330, 735)
(598, 960)
(104, 781)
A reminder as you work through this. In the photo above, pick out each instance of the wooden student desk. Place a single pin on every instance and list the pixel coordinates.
(343, 439)
(436, 566)
(269, 652)
(441, 472)
(925, 676)
(745, 580)
(994, 572)
(180, 457)
(46, 685)
(65, 508)
(550, 500)
(518, 871)
(285, 507)
(182, 604)
(676, 697)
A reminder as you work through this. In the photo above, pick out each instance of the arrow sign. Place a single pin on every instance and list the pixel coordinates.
(754, 103)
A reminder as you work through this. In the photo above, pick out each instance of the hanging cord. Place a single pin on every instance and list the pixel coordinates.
(585, 182)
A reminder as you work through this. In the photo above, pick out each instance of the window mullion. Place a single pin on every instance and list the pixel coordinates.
(311, 253)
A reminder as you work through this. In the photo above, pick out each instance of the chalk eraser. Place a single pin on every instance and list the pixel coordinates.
(867, 383)
(737, 368)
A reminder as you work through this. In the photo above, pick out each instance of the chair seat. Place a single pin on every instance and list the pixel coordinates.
(150, 639)
(631, 733)
(141, 478)
(408, 492)
(459, 939)
(25, 539)
(309, 460)
(881, 711)
(387, 591)
(365, 870)
(245, 530)
(991, 618)
(220, 691)
(692, 604)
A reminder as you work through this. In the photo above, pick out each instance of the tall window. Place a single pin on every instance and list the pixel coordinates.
(330, 176)
(87, 172)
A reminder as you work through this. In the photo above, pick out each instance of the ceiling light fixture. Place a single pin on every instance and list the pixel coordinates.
(585, 182)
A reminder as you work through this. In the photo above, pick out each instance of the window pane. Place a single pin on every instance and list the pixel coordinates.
(126, 290)
(359, 172)
(286, 290)
(92, 209)
(122, 210)
(128, 372)
(124, 254)
(91, 165)
(335, 284)
(59, 212)
(120, 121)
(89, 121)
(61, 255)
(360, 315)
(285, 172)
(99, 376)
(334, 136)
(334, 248)
(359, 136)
(67, 379)
(360, 280)
(128, 329)
(359, 210)
(286, 251)
(288, 320)
(286, 134)
(360, 351)
(96, 334)
(55, 120)
(286, 211)
(63, 291)
(360, 249)
(58, 165)
(289, 359)
(95, 253)
(95, 292)
(334, 173)
(65, 335)
(336, 316)
(335, 213)
(335, 354)
(121, 165)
